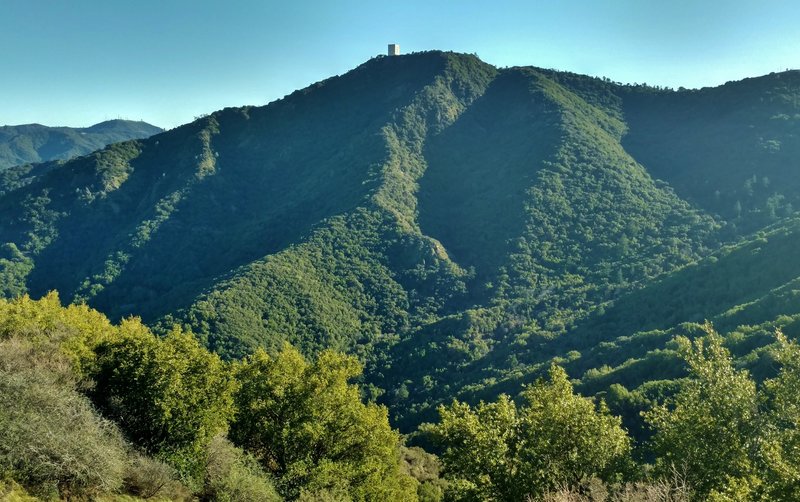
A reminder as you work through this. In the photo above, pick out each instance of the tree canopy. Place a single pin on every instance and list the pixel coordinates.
(307, 425)
(499, 451)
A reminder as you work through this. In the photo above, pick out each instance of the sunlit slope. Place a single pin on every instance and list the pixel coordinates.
(455, 225)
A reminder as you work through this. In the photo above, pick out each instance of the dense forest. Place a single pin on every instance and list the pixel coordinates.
(406, 282)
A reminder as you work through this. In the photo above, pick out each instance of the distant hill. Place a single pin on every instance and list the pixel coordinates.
(23, 144)
(455, 225)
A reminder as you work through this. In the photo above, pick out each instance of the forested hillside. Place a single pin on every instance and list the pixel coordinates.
(456, 227)
(31, 143)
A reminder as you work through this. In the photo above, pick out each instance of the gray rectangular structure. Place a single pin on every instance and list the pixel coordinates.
(394, 49)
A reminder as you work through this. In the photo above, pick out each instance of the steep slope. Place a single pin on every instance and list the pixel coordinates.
(251, 180)
(456, 226)
(24, 144)
(756, 285)
(590, 223)
(144, 227)
(365, 275)
(732, 150)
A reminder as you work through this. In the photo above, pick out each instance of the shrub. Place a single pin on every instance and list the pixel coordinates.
(233, 476)
(147, 478)
(51, 439)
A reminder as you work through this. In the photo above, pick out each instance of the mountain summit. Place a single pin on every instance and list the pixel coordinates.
(23, 144)
(453, 224)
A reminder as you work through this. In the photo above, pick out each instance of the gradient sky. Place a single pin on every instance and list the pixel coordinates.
(79, 62)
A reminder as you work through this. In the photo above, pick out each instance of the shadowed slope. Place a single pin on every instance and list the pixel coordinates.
(479, 168)
(206, 198)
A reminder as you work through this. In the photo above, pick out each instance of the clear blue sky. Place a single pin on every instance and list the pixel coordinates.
(79, 62)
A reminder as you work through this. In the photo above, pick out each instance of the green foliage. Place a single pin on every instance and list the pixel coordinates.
(781, 432)
(461, 228)
(51, 439)
(568, 222)
(709, 426)
(14, 267)
(425, 468)
(502, 452)
(306, 425)
(169, 396)
(12, 492)
(150, 478)
(74, 331)
(484, 221)
(726, 149)
(479, 449)
(733, 439)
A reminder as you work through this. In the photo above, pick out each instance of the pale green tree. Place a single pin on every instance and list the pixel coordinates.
(780, 429)
(306, 424)
(499, 451)
(708, 429)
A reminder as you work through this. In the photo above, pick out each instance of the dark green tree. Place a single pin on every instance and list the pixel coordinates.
(170, 396)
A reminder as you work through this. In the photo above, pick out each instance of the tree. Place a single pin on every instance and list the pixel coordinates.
(781, 432)
(76, 330)
(708, 429)
(566, 436)
(480, 449)
(500, 452)
(170, 396)
(307, 426)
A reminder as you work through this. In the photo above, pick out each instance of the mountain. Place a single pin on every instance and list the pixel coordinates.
(25, 144)
(456, 226)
